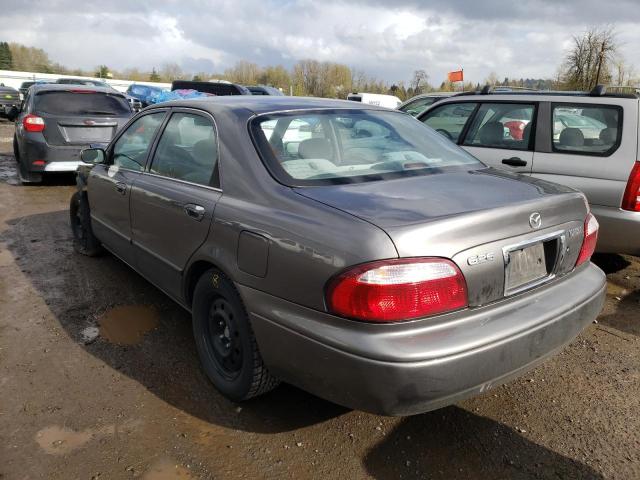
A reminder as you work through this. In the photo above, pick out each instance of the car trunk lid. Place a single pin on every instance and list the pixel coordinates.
(482, 219)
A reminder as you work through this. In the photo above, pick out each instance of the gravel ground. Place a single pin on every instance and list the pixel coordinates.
(99, 379)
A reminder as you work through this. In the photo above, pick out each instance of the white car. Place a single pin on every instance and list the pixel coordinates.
(388, 101)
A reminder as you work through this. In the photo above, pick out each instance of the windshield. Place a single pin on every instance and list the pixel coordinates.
(81, 103)
(352, 146)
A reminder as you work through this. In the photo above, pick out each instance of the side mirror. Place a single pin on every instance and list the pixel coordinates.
(93, 156)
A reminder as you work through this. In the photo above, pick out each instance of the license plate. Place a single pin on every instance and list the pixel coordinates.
(526, 265)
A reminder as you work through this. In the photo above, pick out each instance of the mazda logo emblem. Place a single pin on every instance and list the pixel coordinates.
(535, 220)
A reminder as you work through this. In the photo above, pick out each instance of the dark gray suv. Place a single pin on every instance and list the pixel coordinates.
(341, 247)
(57, 121)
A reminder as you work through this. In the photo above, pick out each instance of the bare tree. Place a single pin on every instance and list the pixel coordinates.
(419, 82)
(591, 59)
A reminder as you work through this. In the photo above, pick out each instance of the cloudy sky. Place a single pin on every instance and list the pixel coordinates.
(387, 39)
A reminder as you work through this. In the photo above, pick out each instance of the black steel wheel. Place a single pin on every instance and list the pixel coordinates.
(225, 341)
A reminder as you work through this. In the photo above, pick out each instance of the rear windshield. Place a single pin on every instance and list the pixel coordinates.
(352, 146)
(81, 103)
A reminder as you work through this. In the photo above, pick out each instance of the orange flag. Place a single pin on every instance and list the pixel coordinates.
(456, 76)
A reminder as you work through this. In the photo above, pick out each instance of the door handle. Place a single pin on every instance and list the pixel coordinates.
(121, 188)
(514, 162)
(195, 211)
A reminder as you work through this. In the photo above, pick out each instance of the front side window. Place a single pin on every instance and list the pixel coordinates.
(586, 130)
(352, 146)
(502, 125)
(131, 149)
(187, 149)
(449, 120)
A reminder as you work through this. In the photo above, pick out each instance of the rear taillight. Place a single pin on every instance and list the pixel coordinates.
(590, 239)
(631, 198)
(33, 123)
(396, 290)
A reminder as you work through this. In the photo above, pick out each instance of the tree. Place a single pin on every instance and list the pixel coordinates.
(153, 76)
(591, 59)
(29, 59)
(170, 72)
(103, 72)
(420, 82)
(6, 59)
(277, 76)
(243, 72)
(492, 79)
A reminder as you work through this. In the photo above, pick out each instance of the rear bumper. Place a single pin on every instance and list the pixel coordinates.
(619, 230)
(419, 366)
(55, 158)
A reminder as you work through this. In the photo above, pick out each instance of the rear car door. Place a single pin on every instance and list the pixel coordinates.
(172, 203)
(500, 135)
(586, 146)
(109, 184)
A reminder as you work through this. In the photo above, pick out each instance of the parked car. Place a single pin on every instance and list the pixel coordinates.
(586, 140)
(380, 100)
(212, 87)
(57, 121)
(9, 101)
(143, 93)
(393, 273)
(418, 104)
(83, 81)
(264, 90)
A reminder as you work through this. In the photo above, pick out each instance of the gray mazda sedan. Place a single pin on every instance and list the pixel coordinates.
(346, 249)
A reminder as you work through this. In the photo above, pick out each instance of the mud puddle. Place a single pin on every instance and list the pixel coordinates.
(60, 440)
(167, 470)
(127, 324)
(8, 171)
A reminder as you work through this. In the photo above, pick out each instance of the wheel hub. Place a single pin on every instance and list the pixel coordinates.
(224, 337)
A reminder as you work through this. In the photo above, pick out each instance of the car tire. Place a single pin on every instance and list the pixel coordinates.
(225, 341)
(84, 241)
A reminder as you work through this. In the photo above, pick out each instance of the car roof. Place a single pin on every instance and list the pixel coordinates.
(260, 104)
(46, 87)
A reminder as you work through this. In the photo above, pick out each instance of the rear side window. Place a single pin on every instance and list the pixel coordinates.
(586, 129)
(187, 150)
(449, 120)
(502, 125)
(81, 103)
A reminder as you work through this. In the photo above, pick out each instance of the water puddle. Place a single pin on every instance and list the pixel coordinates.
(8, 170)
(60, 440)
(167, 470)
(127, 324)
(56, 440)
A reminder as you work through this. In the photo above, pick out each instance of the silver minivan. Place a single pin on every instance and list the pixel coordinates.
(586, 140)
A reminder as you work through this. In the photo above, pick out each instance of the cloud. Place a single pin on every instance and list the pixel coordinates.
(390, 41)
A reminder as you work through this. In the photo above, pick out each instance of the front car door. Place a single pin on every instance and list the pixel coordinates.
(173, 201)
(500, 135)
(109, 184)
